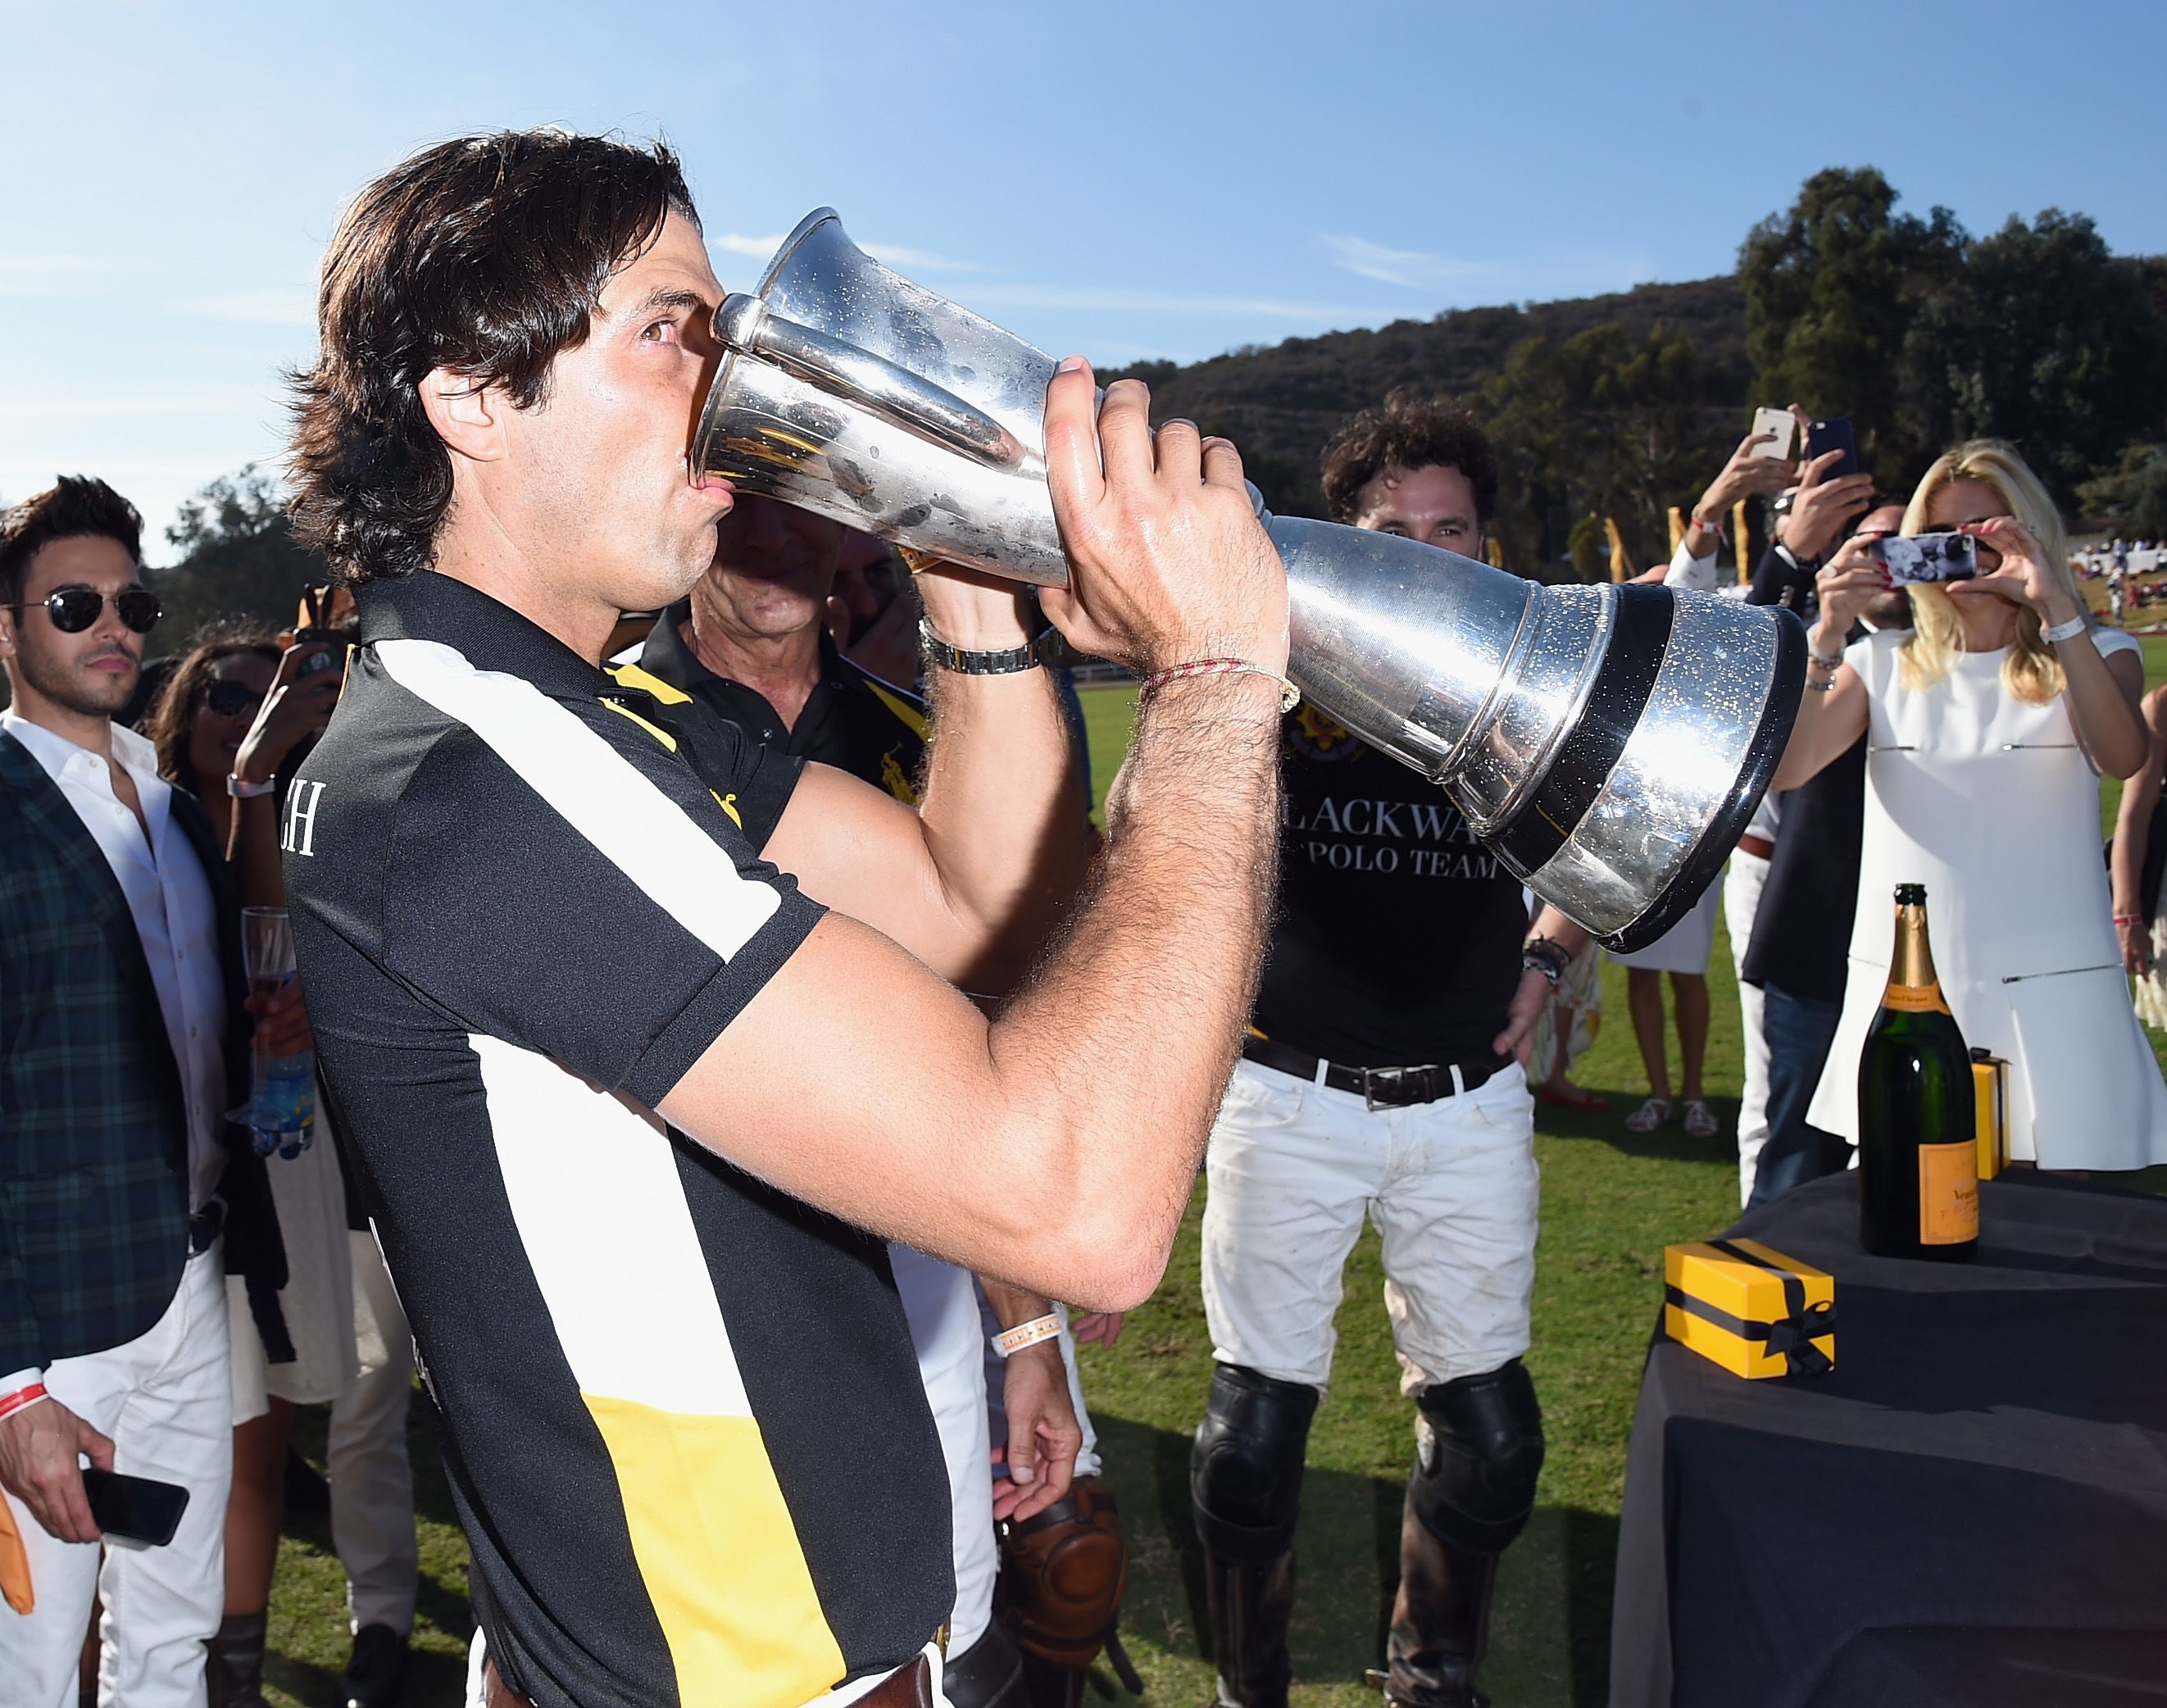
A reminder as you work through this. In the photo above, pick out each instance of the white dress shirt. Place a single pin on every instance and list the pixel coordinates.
(176, 917)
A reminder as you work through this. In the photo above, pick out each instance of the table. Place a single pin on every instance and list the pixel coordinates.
(1970, 1509)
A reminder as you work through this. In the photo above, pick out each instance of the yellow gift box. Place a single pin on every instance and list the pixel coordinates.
(1750, 1309)
(1989, 1087)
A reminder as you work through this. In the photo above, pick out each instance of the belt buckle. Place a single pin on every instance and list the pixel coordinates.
(1373, 1078)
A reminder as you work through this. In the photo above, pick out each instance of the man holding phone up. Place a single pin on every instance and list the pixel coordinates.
(125, 1040)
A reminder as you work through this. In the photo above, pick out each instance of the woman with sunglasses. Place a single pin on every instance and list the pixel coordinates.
(1987, 729)
(236, 690)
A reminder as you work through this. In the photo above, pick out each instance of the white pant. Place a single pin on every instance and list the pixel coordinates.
(942, 1304)
(372, 1483)
(1451, 1185)
(167, 1400)
(1742, 901)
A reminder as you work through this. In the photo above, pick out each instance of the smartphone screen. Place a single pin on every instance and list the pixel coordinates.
(1785, 426)
(1925, 559)
(134, 1507)
(1834, 434)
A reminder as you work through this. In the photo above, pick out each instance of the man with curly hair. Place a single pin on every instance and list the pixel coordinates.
(1382, 1076)
(633, 1112)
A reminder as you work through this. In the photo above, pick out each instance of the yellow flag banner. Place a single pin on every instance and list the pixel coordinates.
(1618, 569)
(1739, 541)
(1677, 528)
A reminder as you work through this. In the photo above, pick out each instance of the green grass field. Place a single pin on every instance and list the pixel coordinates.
(1611, 1202)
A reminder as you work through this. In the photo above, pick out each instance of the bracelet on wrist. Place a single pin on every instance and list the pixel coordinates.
(1007, 662)
(1820, 685)
(22, 1400)
(1545, 956)
(2056, 633)
(2129, 919)
(241, 789)
(1038, 1328)
(1289, 695)
(1826, 661)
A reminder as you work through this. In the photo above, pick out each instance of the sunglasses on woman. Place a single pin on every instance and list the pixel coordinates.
(74, 609)
(232, 699)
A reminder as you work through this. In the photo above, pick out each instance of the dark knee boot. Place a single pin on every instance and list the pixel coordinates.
(1440, 1621)
(233, 1668)
(1250, 1609)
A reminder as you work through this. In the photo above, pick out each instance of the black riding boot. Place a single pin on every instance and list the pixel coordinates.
(1251, 1607)
(233, 1665)
(1440, 1621)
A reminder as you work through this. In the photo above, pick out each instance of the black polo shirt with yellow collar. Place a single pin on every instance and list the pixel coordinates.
(852, 719)
(527, 898)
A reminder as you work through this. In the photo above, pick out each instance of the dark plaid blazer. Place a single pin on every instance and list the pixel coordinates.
(93, 1131)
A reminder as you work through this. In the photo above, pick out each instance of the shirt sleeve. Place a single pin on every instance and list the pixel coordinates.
(1694, 574)
(2110, 641)
(599, 906)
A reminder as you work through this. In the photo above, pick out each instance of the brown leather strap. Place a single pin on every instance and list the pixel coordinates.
(908, 1686)
(1761, 847)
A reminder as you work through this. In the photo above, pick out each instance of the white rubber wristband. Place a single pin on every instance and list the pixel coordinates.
(1026, 1334)
(2065, 631)
(243, 790)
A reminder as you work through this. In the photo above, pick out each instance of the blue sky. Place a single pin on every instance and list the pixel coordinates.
(1127, 179)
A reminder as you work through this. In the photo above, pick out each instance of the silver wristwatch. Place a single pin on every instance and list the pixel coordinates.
(1033, 653)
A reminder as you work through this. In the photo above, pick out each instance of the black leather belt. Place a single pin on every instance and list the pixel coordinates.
(1380, 1088)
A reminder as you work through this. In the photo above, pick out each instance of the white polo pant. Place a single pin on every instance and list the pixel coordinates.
(166, 1399)
(941, 1302)
(1451, 1187)
(372, 1481)
(1742, 901)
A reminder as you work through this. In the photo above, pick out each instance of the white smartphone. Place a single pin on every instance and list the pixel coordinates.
(1785, 426)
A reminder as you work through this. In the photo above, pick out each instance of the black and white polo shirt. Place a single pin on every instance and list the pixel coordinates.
(682, 1418)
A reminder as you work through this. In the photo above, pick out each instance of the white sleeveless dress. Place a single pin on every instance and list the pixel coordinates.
(1988, 802)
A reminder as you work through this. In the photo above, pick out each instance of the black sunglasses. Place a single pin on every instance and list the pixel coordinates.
(74, 609)
(231, 699)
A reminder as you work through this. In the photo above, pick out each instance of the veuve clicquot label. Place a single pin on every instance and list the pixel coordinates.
(1918, 1153)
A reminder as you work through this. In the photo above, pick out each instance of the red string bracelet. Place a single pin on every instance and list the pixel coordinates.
(1289, 695)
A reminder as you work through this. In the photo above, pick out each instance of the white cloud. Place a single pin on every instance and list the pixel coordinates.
(1120, 299)
(893, 254)
(1413, 269)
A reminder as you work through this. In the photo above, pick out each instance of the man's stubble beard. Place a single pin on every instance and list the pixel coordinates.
(78, 692)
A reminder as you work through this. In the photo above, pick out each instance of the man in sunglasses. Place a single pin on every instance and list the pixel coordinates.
(125, 1041)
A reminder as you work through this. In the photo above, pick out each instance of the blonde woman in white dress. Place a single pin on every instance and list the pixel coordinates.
(1987, 730)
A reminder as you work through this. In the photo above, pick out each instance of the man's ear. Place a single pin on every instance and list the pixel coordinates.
(468, 416)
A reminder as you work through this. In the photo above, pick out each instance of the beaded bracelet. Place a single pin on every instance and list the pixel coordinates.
(1289, 695)
(1024, 1334)
(2120, 919)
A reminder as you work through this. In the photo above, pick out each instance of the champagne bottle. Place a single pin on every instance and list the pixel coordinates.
(1918, 1151)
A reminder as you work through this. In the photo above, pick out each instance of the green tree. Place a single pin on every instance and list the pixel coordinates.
(2132, 500)
(1832, 286)
(238, 558)
(2045, 339)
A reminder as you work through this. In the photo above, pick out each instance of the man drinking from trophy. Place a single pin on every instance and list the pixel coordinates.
(647, 1033)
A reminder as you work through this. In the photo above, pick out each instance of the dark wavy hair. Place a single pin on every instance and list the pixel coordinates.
(1404, 433)
(167, 723)
(74, 507)
(484, 256)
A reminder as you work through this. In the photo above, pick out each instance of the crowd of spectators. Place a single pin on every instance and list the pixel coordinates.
(171, 1292)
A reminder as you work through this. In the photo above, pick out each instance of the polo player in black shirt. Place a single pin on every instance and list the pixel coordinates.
(1382, 1078)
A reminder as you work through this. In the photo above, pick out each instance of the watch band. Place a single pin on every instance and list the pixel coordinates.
(242, 790)
(1029, 656)
(2061, 632)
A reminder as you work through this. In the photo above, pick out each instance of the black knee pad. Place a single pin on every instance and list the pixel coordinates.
(1245, 1474)
(1481, 1449)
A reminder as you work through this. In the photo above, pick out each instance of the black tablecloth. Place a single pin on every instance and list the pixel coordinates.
(1970, 1509)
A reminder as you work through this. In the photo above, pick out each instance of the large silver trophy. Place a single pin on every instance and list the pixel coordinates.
(1608, 743)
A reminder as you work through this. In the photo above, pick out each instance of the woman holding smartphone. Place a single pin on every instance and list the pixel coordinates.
(1988, 727)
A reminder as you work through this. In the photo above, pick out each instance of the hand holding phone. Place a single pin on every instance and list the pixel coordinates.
(1837, 433)
(136, 1509)
(1926, 560)
(1783, 425)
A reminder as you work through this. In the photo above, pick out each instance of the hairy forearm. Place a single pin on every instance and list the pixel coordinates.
(1560, 928)
(1122, 1045)
(1002, 817)
(1013, 1306)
